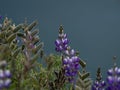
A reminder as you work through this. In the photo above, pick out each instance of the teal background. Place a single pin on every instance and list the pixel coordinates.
(92, 26)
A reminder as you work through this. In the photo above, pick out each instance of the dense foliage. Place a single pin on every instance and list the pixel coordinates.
(25, 66)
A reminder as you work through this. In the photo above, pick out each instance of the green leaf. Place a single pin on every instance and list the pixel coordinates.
(18, 28)
(20, 35)
(82, 63)
(34, 32)
(36, 40)
(83, 76)
(34, 58)
(31, 26)
(11, 38)
(38, 47)
(16, 52)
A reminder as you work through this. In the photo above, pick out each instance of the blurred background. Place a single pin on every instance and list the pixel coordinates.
(92, 26)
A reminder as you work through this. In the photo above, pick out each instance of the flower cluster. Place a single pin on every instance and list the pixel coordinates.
(71, 64)
(113, 79)
(99, 84)
(62, 41)
(70, 61)
(5, 76)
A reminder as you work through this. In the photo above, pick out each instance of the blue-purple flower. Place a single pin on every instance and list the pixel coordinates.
(99, 84)
(70, 60)
(5, 75)
(61, 42)
(71, 64)
(113, 79)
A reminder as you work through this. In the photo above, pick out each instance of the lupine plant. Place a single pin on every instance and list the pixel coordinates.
(99, 84)
(25, 66)
(62, 41)
(22, 49)
(113, 78)
(70, 61)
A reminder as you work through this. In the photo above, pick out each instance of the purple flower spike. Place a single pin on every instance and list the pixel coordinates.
(71, 65)
(99, 84)
(113, 79)
(70, 61)
(62, 41)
